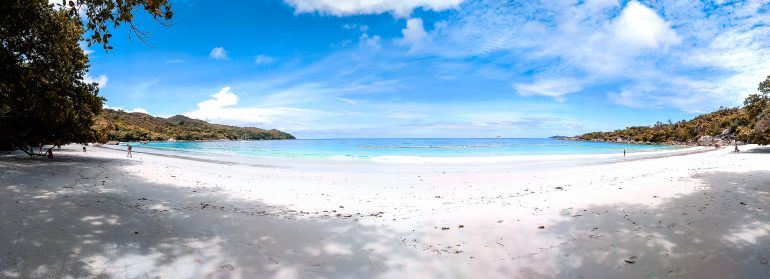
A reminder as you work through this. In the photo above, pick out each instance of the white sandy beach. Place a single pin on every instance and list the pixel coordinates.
(82, 215)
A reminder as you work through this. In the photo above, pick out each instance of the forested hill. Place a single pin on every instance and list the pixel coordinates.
(750, 123)
(118, 125)
(725, 123)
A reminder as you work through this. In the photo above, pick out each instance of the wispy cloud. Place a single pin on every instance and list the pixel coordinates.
(372, 42)
(101, 80)
(401, 8)
(222, 108)
(315, 92)
(467, 67)
(551, 87)
(264, 60)
(662, 53)
(218, 53)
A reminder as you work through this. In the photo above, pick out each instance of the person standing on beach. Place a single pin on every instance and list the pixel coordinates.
(129, 151)
(624, 153)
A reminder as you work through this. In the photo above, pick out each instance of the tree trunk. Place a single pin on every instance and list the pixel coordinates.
(29, 152)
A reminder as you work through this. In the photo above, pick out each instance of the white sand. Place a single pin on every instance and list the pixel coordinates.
(702, 215)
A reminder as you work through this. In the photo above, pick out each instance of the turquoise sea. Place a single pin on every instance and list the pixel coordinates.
(426, 147)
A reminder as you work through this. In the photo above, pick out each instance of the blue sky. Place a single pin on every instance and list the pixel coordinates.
(439, 68)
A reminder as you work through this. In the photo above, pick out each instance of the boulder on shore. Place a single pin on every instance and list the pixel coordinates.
(718, 143)
(705, 140)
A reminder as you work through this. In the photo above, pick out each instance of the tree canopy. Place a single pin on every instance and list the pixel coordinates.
(102, 15)
(757, 108)
(44, 98)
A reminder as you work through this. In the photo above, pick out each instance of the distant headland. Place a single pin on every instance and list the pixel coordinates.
(118, 125)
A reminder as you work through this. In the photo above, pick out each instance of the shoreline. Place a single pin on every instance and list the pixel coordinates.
(699, 214)
(574, 158)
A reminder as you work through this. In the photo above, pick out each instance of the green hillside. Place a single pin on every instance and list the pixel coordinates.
(750, 123)
(725, 123)
(118, 125)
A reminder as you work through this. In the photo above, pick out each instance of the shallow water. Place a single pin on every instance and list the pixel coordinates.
(373, 148)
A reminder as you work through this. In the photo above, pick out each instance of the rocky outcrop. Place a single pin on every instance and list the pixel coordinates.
(717, 141)
(705, 140)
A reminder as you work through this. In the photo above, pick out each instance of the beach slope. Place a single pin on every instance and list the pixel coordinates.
(81, 215)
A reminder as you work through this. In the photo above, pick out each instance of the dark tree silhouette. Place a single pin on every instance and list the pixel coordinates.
(44, 98)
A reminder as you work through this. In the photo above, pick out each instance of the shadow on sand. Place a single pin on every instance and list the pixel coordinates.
(760, 149)
(691, 236)
(74, 217)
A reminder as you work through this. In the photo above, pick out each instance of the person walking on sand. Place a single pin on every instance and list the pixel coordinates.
(49, 153)
(129, 151)
(736, 148)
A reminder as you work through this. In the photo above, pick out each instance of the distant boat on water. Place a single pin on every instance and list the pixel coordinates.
(245, 139)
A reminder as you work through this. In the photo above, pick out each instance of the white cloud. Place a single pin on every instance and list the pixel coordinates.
(360, 27)
(639, 25)
(349, 101)
(264, 60)
(370, 42)
(101, 80)
(400, 8)
(142, 110)
(221, 108)
(218, 53)
(557, 87)
(223, 98)
(598, 37)
(105, 106)
(85, 48)
(688, 55)
(414, 31)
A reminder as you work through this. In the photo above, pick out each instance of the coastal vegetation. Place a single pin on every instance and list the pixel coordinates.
(45, 97)
(750, 123)
(118, 125)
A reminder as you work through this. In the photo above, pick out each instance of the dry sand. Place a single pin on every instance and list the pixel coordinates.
(81, 215)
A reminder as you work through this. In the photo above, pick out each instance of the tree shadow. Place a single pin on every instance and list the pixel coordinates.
(720, 231)
(759, 149)
(113, 224)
